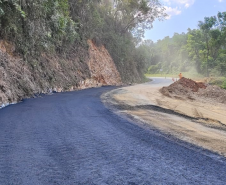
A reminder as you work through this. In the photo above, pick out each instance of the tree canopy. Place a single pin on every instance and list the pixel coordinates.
(202, 49)
(59, 26)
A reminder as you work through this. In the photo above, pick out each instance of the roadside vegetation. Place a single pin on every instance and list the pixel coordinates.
(61, 27)
(194, 75)
(198, 53)
(224, 84)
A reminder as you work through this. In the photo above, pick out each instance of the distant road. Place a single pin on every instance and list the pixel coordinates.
(71, 138)
(160, 81)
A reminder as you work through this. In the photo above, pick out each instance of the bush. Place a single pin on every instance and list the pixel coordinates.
(224, 84)
(38, 26)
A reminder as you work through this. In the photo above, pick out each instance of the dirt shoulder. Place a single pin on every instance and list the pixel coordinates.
(199, 122)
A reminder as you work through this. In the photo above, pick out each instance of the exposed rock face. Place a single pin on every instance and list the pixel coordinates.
(102, 68)
(84, 69)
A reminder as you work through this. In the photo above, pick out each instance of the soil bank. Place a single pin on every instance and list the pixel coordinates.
(202, 123)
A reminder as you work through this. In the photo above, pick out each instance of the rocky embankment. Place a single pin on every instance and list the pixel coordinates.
(83, 69)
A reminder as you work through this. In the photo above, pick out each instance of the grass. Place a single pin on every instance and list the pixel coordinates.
(185, 74)
(219, 81)
(224, 84)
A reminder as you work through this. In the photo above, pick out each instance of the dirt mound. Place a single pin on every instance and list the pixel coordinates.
(213, 92)
(188, 83)
(182, 87)
(189, 89)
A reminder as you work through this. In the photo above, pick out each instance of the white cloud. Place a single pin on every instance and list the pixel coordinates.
(220, 1)
(185, 3)
(167, 1)
(172, 11)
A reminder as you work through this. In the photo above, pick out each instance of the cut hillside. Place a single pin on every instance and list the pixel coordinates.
(43, 45)
(83, 69)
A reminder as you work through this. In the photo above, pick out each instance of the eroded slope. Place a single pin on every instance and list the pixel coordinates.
(83, 69)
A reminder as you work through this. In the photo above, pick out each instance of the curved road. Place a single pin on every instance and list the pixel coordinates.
(71, 138)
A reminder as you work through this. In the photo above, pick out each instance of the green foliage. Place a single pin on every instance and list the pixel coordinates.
(60, 26)
(42, 25)
(203, 48)
(153, 69)
(118, 25)
(8, 4)
(224, 84)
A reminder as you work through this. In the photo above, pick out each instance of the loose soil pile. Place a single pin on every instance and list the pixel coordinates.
(189, 89)
(214, 93)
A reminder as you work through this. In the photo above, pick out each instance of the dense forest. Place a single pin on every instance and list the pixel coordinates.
(63, 26)
(201, 50)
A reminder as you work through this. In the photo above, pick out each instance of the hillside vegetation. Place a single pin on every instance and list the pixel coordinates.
(201, 51)
(61, 26)
(43, 44)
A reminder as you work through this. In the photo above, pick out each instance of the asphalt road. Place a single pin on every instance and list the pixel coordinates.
(160, 81)
(72, 138)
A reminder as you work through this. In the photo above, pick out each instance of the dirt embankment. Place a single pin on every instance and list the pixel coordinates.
(197, 99)
(181, 111)
(189, 89)
(83, 69)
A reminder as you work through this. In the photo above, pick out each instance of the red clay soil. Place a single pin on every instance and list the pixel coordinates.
(183, 88)
(188, 89)
(188, 83)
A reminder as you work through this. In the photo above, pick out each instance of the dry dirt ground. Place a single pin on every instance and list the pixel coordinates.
(200, 122)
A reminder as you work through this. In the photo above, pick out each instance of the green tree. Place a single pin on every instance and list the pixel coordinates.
(203, 49)
(36, 26)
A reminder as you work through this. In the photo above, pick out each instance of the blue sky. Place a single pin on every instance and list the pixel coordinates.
(184, 14)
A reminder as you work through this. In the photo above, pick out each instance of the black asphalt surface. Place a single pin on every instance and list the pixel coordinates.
(72, 138)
